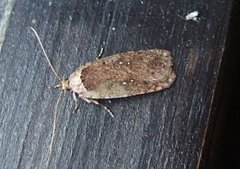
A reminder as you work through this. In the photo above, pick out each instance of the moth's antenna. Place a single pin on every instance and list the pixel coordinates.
(45, 54)
(53, 129)
(57, 104)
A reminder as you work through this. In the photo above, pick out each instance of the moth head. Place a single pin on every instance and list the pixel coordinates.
(65, 85)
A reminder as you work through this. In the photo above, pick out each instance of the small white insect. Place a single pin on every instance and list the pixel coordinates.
(192, 16)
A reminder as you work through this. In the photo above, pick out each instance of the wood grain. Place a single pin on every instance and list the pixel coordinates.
(158, 130)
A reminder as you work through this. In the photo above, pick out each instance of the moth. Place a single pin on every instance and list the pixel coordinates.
(116, 76)
(120, 75)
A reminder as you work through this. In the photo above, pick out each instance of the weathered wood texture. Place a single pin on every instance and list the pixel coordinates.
(160, 130)
(225, 143)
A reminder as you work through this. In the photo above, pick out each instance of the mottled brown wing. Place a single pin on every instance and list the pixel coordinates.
(124, 74)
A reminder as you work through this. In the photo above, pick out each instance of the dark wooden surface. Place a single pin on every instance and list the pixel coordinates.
(224, 146)
(160, 130)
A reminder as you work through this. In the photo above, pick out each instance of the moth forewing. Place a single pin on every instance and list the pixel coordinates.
(124, 74)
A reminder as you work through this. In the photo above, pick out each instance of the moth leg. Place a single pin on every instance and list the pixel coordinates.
(54, 86)
(75, 102)
(100, 53)
(99, 104)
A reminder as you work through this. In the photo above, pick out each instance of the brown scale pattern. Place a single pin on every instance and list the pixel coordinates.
(129, 73)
